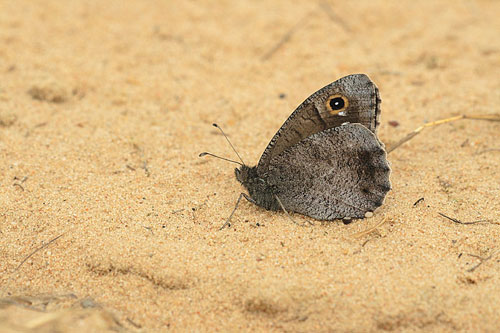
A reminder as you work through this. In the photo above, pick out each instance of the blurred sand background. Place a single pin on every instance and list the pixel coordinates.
(109, 220)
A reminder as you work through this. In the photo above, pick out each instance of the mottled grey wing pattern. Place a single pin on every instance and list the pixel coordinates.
(313, 116)
(343, 171)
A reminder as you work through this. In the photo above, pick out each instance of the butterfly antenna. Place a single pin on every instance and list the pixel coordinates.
(220, 129)
(222, 158)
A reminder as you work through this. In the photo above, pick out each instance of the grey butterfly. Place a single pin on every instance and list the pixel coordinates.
(325, 161)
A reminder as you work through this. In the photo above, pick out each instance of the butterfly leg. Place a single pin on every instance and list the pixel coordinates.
(282, 207)
(242, 195)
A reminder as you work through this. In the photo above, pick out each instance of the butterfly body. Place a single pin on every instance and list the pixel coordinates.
(262, 193)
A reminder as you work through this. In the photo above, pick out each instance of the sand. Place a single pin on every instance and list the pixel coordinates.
(105, 106)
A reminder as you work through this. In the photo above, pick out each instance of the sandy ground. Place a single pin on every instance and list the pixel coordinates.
(105, 106)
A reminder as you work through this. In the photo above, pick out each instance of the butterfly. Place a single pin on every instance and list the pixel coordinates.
(325, 161)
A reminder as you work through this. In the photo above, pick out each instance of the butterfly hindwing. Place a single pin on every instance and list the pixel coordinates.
(336, 173)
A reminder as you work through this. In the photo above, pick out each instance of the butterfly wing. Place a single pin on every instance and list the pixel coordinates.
(353, 99)
(340, 172)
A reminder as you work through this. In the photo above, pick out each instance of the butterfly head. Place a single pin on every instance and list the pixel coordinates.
(248, 175)
(259, 190)
(242, 173)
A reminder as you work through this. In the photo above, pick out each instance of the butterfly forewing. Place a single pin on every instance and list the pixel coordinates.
(351, 99)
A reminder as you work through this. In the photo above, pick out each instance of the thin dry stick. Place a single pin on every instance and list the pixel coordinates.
(38, 249)
(325, 6)
(367, 231)
(492, 117)
(334, 17)
(19, 185)
(5, 286)
(460, 222)
(487, 151)
(482, 260)
(418, 201)
(286, 37)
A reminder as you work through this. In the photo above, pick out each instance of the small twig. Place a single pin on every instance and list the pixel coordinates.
(150, 229)
(286, 37)
(38, 249)
(475, 256)
(133, 323)
(369, 230)
(22, 180)
(334, 17)
(20, 186)
(194, 209)
(34, 127)
(144, 162)
(145, 167)
(487, 151)
(482, 260)
(460, 222)
(418, 201)
(366, 241)
(6, 285)
(408, 137)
